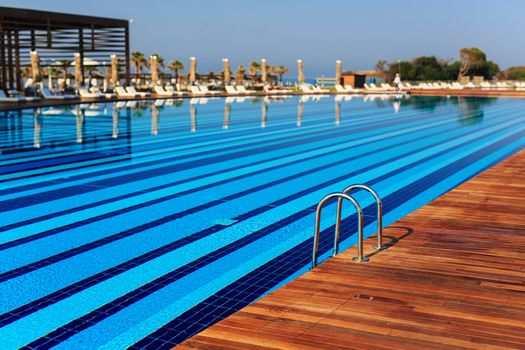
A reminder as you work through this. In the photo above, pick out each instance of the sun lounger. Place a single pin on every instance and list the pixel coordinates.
(173, 89)
(132, 90)
(271, 91)
(96, 90)
(388, 87)
(242, 89)
(231, 90)
(194, 90)
(207, 91)
(49, 96)
(5, 98)
(84, 93)
(340, 89)
(320, 90)
(344, 89)
(160, 91)
(371, 88)
(121, 92)
(307, 89)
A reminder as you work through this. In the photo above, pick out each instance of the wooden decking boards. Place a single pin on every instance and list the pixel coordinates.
(454, 280)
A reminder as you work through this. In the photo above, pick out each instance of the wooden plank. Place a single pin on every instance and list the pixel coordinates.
(456, 282)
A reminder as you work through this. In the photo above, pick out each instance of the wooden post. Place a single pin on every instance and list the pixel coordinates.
(17, 62)
(3, 72)
(81, 52)
(49, 38)
(33, 40)
(127, 54)
(10, 66)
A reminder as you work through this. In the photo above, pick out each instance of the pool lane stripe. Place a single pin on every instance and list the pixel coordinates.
(128, 299)
(282, 114)
(153, 161)
(294, 131)
(80, 223)
(82, 248)
(135, 148)
(161, 142)
(249, 288)
(387, 114)
(306, 191)
(223, 171)
(151, 224)
(230, 197)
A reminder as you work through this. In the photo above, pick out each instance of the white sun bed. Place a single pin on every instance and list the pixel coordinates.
(320, 90)
(194, 90)
(132, 90)
(49, 96)
(307, 89)
(207, 91)
(121, 92)
(84, 93)
(5, 98)
(242, 89)
(231, 90)
(160, 91)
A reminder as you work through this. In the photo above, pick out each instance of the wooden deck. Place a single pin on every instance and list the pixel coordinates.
(455, 279)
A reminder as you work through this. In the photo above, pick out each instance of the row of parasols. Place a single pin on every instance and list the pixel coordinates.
(78, 63)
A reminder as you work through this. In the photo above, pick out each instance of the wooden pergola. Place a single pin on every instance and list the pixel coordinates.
(57, 36)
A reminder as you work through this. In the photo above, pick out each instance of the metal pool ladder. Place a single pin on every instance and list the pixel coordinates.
(340, 197)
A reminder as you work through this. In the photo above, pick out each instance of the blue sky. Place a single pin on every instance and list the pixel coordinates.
(358, 32)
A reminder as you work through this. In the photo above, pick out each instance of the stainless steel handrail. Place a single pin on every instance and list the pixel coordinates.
(379, 245)
(340, 197)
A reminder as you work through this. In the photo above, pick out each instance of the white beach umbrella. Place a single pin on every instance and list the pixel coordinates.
(193, 70)
(264, 71)
(337, 71)
(35, 66)
(227, 71)
(154, 69)
(79, 78)
(300, 72)
(114, 70)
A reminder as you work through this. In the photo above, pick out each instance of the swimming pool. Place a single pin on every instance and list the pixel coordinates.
(139, 224)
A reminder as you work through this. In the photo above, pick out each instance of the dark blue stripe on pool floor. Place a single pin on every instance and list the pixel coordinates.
(391, 201)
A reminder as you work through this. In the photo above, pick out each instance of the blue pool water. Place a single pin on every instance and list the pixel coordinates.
(139, 224)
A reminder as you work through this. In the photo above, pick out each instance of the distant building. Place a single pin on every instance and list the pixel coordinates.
(356, 79)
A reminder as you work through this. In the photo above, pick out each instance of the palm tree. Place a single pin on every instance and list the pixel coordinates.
(176, 66)
(280, 71)
(160, 59)
(239, 75)
(138, 61)
(212, 75)
(254, 68)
